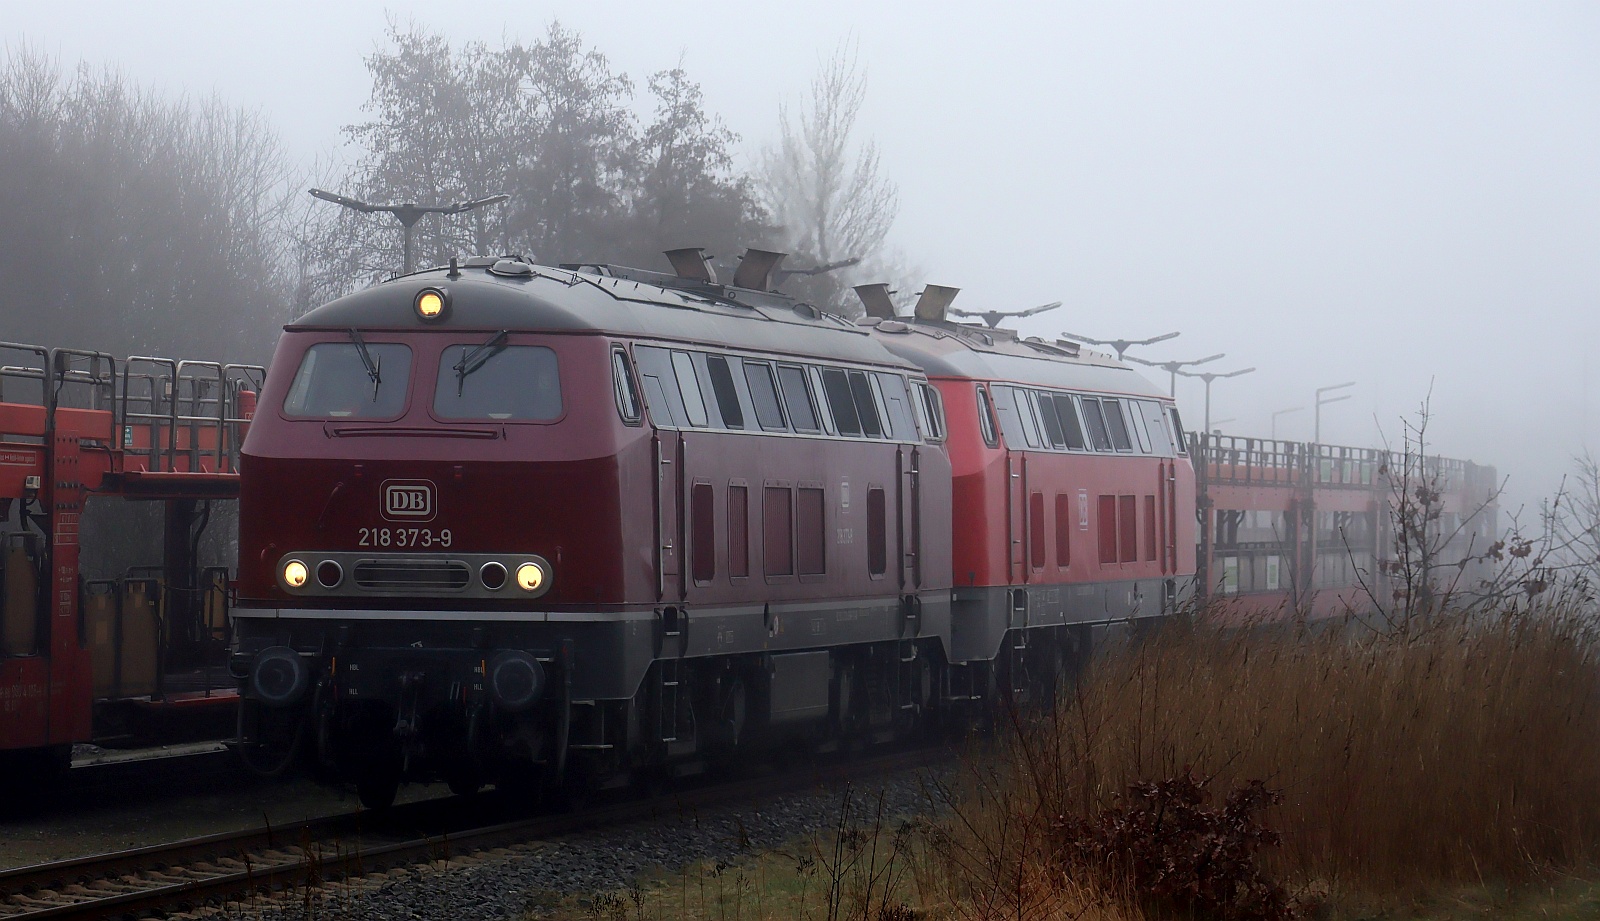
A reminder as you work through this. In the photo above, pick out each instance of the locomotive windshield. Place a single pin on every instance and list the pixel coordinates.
(517, 382)
(361, 380)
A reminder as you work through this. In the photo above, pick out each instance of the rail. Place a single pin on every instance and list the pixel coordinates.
(186, 416)
(1237, 460)
(24, 396)
(238, 864)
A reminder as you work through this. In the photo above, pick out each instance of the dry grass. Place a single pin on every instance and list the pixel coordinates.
(1460, 753)
(1448, 772)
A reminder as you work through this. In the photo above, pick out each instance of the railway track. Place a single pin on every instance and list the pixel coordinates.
(215, 869)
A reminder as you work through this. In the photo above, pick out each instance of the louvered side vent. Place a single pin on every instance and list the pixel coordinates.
(412, 575)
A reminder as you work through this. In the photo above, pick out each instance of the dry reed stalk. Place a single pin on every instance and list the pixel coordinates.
(1455, 753)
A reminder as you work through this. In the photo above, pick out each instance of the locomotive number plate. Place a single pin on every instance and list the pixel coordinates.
(403, 537)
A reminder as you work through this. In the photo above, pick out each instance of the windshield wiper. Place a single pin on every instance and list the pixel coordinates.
(475, 359)
(372, 364)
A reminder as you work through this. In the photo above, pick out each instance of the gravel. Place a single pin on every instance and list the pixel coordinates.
(516, 882)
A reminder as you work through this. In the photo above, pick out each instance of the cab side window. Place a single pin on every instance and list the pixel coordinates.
(986, 419)
(622, 383)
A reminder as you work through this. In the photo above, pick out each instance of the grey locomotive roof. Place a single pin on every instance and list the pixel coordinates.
(560, 300)
(961, 350)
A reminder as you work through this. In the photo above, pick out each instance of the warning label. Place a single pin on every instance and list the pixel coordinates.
(67, 529)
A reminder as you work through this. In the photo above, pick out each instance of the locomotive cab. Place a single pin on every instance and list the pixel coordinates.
(518, 525)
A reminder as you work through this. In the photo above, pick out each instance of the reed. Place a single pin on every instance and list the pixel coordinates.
(1463, 751)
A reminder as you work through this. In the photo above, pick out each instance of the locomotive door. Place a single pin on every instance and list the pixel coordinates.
(669, 514)
(910, 521)
(1016, 517)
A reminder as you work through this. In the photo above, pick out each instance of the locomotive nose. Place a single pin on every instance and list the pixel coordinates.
(516, 680)
(279, 676)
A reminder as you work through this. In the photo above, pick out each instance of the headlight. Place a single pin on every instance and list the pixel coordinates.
(329, 574)
(531, 577)
(295, 574)
(431, 303)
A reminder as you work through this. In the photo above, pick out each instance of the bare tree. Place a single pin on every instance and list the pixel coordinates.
(828, 195)
(1440, 562)
(688, 190)
(552, 125)
(136, 223)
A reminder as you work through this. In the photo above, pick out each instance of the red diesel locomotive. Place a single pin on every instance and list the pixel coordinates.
(1072, 492)
(503, 523)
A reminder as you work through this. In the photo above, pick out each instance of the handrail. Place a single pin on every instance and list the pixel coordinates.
(9, 371)
(162, 393)
(93, 370)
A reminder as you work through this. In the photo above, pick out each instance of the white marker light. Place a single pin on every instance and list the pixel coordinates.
(530, 576)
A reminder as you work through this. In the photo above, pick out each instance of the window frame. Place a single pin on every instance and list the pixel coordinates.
(1065, 400)
(805, 395)
(1098, 414)
(702, 546)
(622, 378)
(931, 403)
(988, 427)
(828, 374)
(1048, 417)
(864, 398)
(738, 575)
(1111, 407)
(683, 363)
(715, 361)
(433, 406)
(801, 489)
(405, 402)
(766, 368)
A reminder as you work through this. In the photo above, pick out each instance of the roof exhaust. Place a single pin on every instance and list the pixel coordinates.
(934, 301)
(876, 301)
(692, 264)
(756, 268)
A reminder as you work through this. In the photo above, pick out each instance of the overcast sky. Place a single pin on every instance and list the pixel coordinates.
(1381, 192)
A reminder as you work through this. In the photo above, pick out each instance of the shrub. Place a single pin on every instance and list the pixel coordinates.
(1176, 852)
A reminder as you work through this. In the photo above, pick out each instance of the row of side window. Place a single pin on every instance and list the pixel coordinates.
(793, 529)
(1118, 519)
(690, 389)
(1050, 421)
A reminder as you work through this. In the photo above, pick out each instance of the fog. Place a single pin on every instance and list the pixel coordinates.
(1407, 196)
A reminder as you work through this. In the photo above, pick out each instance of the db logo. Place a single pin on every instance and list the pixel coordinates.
(408, 500)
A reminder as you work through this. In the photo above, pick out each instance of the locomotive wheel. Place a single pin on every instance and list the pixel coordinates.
(278, 738)
(378, 783)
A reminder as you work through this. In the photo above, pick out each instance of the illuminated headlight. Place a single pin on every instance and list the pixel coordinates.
(432, 303)
(532, 577)
(295, 574)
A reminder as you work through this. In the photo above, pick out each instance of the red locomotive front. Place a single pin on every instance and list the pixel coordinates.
(501, 518)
